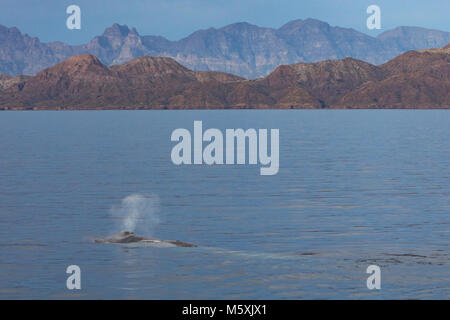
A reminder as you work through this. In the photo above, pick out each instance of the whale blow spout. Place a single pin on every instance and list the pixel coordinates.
(130, 237)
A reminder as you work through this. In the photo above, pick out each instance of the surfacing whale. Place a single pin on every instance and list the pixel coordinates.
(130, 237)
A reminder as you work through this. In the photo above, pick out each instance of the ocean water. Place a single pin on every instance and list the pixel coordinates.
(355, 188)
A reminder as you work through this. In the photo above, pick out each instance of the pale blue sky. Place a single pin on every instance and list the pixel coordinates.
(175, 19)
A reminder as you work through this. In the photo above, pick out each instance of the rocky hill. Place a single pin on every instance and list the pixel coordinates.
(416, 79)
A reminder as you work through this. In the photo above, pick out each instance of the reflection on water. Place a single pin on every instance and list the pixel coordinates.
(355, 188)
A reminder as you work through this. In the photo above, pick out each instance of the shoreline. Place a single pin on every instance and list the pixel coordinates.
(213, 109)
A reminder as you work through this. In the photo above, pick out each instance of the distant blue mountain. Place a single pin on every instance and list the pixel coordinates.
(241, 48)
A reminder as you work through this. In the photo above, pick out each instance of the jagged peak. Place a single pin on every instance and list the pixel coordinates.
(117, 30)
(299, 23)
(14, 31)
(230, 28)
(239, 26)
(80, 64)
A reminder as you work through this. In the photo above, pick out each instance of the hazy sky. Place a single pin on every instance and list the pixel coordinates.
(175, 19)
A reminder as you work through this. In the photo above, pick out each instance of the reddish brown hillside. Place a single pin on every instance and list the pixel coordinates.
(326, 81)
(416, 79)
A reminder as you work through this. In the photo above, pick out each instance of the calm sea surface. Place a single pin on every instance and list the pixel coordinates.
(355, 188)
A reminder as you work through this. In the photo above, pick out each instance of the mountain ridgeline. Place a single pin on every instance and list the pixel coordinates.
(243, 49)
(415, 79)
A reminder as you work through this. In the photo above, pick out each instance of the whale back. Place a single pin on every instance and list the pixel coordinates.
(122, 237)
(130, 237)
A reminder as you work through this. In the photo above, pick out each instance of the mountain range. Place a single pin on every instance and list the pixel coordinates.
(415, 79)
(243, 49)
